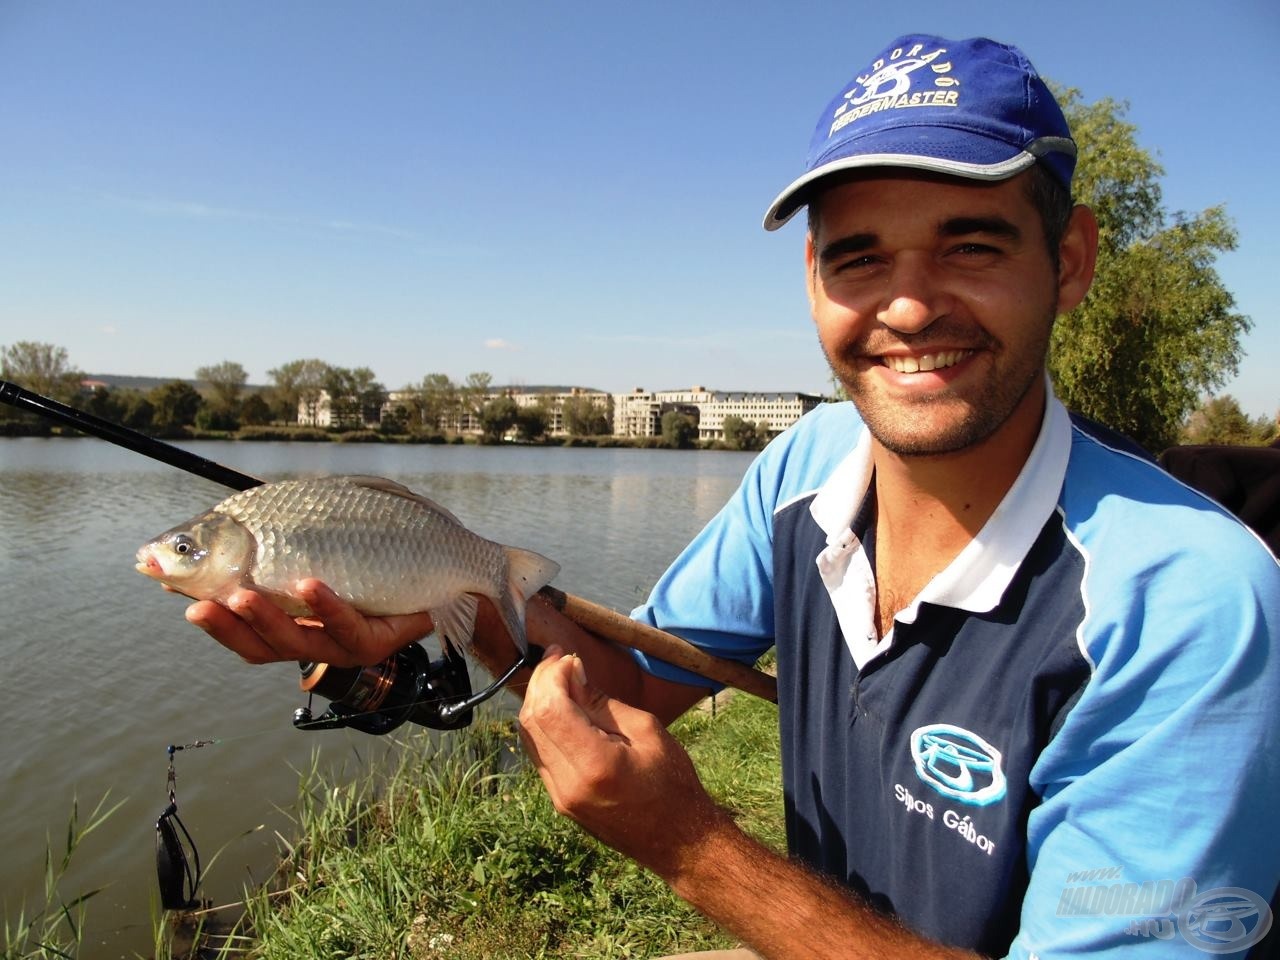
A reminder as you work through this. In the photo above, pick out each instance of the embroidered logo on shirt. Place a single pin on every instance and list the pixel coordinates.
(958, 764)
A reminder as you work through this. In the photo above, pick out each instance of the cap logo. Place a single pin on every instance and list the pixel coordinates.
(887, 86)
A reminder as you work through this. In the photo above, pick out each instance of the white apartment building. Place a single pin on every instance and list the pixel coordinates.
(639, 413)
(635, 414)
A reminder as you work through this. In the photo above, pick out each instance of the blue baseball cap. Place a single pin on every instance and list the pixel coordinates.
(967, 108)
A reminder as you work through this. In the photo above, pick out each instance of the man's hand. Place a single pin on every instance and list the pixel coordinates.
(260, 632)
(615, 769)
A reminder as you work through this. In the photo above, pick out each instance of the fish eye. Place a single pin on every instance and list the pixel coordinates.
(183, 545)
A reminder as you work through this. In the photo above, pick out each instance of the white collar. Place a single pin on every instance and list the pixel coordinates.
(977, 578)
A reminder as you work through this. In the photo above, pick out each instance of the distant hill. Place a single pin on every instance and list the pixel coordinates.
(114, 381)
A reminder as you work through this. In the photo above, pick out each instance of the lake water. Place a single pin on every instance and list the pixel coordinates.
(101, 672)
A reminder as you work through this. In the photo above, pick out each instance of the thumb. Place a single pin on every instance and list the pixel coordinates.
(610, 715)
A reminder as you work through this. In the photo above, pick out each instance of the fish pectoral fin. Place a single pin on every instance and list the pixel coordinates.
(455, 621)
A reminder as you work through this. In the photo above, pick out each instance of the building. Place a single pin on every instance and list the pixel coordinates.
(635, 414)
(639, 413)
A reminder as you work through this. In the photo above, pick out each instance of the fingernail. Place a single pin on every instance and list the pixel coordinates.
(579, 669)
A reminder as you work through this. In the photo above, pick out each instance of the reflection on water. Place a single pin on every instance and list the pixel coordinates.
(101, 672)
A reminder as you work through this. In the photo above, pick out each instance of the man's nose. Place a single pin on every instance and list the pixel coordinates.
(913, 298)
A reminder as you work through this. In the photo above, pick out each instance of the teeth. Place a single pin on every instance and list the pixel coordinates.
(930, 361)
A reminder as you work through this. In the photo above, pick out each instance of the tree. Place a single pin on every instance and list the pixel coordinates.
(1158, 329)
(532, 421)
(226, 382)
(437, 399)
(1220, 420)
(43, 368)
(742, 434)
(584, 417)
(176, 405)
(355, 396)
(255, 410)
(473, 393)
(497, 417)
(679, 430)
(298, 381)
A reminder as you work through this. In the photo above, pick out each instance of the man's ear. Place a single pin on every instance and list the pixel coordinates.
(810, 271)
(1077, 257)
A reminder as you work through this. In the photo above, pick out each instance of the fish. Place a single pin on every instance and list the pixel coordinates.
(381, 547)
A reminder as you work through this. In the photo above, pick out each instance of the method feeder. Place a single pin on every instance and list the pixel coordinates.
(407, 686)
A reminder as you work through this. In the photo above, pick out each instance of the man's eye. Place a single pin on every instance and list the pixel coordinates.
(854, 263)
(976, 249)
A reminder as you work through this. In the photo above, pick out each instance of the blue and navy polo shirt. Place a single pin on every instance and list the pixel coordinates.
(1067, 743)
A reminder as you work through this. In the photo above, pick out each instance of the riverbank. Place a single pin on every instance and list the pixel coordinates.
(457, 853)
(262, 434)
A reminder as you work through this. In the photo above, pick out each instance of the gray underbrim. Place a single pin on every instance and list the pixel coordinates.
(795, 195)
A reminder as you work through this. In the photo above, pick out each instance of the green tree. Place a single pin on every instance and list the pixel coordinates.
(1220, 420)
(1158, 329)
(43, 368)
(226, 382)
(533, 421)
(255, 410)
(176, 405)
(742, 434)
(585, 417)
(473, 393)
(497, 417)
(437, 398)
(296, 382)
(679, 430)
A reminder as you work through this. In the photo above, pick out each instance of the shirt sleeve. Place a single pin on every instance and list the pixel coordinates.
(1155, 836)
(718, 594)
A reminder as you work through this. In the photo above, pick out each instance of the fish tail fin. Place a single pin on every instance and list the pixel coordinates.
(527, 573)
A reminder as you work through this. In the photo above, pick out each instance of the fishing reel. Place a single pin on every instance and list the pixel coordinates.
(406, 687)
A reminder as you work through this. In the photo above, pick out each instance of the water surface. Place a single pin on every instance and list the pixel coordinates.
(102, 673)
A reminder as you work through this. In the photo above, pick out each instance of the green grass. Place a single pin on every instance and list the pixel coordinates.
(447, 847)
(458, 854)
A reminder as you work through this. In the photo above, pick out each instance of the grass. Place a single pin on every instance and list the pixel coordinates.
(57, 928)
(450, 849)
(458, 854)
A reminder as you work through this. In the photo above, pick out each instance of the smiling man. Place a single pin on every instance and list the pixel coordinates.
(1028, 689)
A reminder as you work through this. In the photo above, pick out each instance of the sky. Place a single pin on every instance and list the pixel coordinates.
(549, 192)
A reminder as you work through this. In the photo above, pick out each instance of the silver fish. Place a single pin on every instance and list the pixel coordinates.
(378, 545)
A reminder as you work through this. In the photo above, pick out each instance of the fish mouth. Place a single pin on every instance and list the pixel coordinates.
(149, 566)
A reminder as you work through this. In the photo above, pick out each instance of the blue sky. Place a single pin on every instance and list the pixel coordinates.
(550, 192)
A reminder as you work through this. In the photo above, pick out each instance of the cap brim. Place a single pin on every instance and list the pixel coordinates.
(797, 193)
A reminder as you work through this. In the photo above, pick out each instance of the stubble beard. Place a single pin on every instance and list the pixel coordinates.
(921, 427)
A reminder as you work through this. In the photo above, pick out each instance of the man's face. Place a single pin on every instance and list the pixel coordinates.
(934, 300)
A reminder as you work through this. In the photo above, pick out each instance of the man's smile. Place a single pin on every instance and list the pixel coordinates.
(925, 362)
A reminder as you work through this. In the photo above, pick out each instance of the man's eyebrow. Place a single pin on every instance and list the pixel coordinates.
(847, 246)
(990, 226)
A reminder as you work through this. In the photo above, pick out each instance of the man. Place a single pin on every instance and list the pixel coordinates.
(1012, 659)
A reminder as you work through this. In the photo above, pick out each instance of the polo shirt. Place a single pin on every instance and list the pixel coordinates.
(1067, 743)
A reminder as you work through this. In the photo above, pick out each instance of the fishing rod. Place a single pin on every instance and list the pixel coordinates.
(379, 697)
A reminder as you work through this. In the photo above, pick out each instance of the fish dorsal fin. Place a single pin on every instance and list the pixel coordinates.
(400, 490)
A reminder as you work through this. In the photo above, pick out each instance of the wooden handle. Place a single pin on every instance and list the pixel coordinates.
(621, 629)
